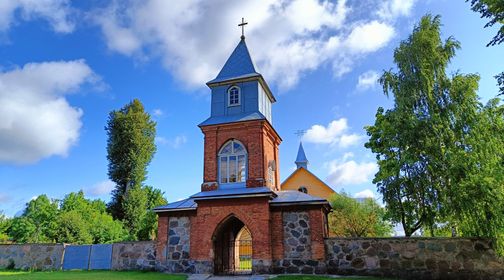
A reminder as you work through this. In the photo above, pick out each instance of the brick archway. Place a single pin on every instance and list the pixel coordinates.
(227, 248)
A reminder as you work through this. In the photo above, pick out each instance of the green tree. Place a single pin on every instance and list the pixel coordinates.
(155, 198)
(86, 221)
(433, 147)
(493, 10)
(5, 224)
(130, 149)
(41, 215)
(352, 218)
(135, 209)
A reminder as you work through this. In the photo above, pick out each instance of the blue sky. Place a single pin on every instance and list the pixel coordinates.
(65, 65)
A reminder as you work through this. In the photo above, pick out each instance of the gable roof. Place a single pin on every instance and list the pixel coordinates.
(310, 174)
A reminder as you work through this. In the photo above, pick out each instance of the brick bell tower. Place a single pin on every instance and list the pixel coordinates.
(241, 145)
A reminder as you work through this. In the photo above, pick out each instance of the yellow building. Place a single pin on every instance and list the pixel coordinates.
(304, 181)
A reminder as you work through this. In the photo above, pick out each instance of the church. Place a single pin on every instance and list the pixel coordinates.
(242, 221)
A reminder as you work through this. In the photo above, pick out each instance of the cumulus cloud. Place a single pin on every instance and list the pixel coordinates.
(175, 143)
(346, 171)
(101, 188)
(391, 9)
(36, 121)
(287, 39)
(367, 193)
(56, 12)
(367, 80)
(335, 134)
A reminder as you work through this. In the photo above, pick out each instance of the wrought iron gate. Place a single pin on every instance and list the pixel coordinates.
(235, 258)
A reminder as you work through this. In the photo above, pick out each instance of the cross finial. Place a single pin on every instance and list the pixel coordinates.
(242, 25)
(300, 133)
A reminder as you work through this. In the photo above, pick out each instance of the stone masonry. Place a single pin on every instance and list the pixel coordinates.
(414, 258)
(134, 256)
(32, 256)
(297, 241)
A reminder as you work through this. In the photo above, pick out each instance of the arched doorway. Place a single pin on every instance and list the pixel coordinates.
(232, 248)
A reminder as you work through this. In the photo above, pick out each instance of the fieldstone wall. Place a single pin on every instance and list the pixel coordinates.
(414, 258)
(179, 237)
(32, 256)
(297, 240)
(134, 256)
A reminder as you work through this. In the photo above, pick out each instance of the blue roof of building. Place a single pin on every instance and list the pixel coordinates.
(295, 197)
(181, 205)
(249, 116)
(233, 193)
(301, 156)
(280, 198)
(239, 65)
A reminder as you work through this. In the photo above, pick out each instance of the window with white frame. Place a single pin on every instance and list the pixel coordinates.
(232, 163)
(234, 96)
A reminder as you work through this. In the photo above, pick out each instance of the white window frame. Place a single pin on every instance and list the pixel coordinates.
(229, 96)
(237, 155)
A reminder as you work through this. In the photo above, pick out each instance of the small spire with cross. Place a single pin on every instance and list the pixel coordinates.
(242, 25)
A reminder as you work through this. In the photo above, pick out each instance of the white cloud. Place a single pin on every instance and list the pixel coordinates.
(369, 37)
(367, 193)
(157, 112)
(391, 9)
(175, 143)
(344, 172)
(56, 12)
(287, 39)
(36, 120)
(335, 134)
(367, 80)
(101, 188)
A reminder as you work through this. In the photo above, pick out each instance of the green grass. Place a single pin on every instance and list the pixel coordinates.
(85, 275)
(309, 277)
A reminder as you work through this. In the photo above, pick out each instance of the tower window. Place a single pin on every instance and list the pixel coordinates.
(234, 96)
(232, 163)
(303, 189)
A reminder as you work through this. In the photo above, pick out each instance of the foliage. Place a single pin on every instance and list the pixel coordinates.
(38, 222)
(351, 218)
(5, 224)
(440, 152)
(493, 10)
(155, 198)
(130, 148)
(85, 221)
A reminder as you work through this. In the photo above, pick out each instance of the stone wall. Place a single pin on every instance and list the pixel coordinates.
(32, 256)
(414, 258)
(134, 256)
(297, 241)
(125, 256)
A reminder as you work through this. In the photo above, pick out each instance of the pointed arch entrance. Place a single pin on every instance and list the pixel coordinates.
(232, 247)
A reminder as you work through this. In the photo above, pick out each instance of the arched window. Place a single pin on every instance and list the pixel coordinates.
(303, 189)
(233, 96)
(232, 163)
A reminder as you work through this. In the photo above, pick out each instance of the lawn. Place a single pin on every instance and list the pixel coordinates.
(309, 277)
(85, 275)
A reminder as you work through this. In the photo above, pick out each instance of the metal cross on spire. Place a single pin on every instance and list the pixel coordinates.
(300, 133)
(242, 25)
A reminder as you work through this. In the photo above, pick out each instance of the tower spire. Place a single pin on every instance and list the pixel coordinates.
(301, 160)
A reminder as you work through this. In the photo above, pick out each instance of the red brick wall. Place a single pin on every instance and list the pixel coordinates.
(162, 237)
(253, 212)
(317, 229)
(261, 142)
(277, 237)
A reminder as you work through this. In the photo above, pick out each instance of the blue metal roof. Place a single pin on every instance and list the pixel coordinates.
(296, 197)
(301, 160)
(238, 65)
(184, 204)
(232, 193)
(249, 116)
